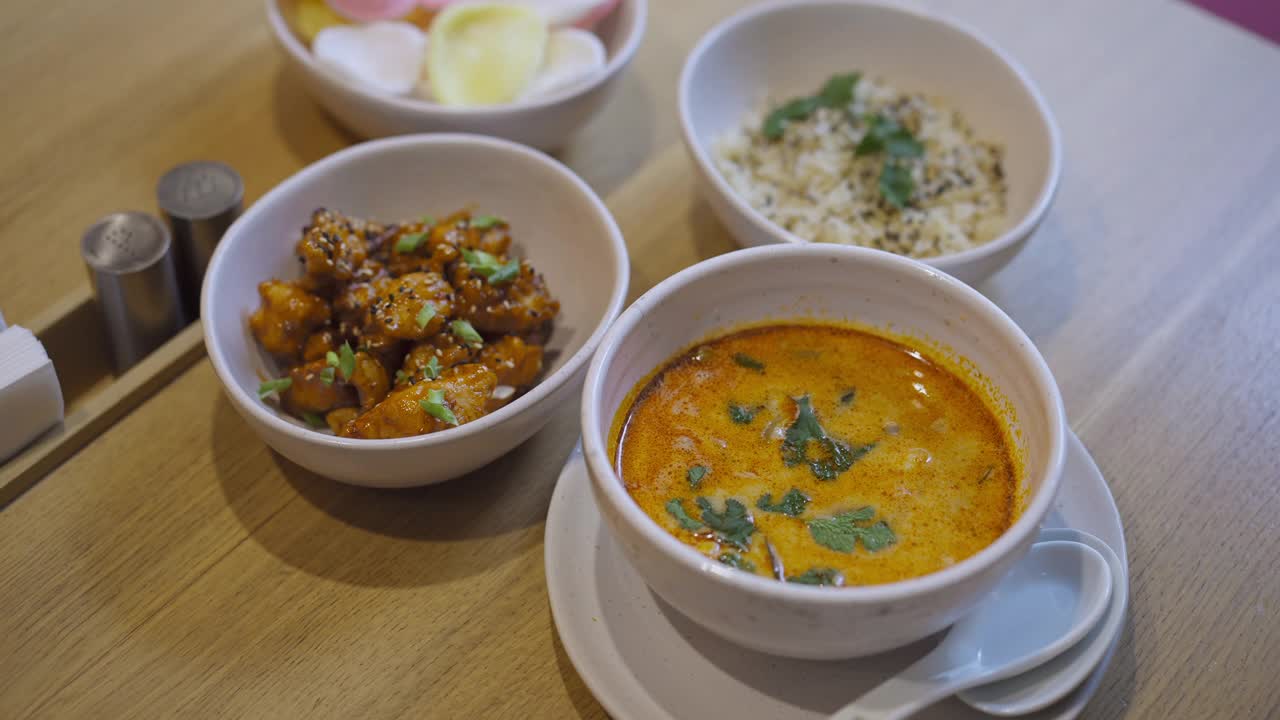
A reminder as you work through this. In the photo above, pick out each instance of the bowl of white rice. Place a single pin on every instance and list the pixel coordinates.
(857, 123)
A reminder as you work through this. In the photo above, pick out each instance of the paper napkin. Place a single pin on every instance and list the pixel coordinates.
(30, 397)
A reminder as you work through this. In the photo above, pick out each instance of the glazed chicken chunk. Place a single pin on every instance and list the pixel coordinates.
(489, 234)
(398, 308)
(519, 305)
(319, 344)
(388, 350)
(401, 329)
(370, 380)
(286, 317)
(419, 247)
(445, 348)
(333, 247)
(515, 362)
(336, 419)
(351, 305)
(466, 390)
(315, 389)
(320, 386)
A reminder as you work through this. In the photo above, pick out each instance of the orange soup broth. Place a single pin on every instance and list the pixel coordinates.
(941, 474)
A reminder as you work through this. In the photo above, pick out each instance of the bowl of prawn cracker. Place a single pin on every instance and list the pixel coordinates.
(407, 310)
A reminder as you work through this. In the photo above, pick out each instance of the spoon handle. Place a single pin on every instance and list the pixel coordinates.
(932, 678)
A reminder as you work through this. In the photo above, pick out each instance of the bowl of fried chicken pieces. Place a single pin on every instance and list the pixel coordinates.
(407, 310)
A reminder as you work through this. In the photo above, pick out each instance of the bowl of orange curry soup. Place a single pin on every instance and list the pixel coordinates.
(819, 451)
(407, 310)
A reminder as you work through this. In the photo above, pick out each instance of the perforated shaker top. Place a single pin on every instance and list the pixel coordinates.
(199, 190)
(125, 242)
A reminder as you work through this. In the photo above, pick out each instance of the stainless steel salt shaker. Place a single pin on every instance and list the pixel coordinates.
(131, 266)
(199, 200)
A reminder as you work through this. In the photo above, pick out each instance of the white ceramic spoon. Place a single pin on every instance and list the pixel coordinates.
(1046, 604)
(1042, 686)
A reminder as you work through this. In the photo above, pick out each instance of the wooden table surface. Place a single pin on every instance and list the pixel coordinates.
(177, 567)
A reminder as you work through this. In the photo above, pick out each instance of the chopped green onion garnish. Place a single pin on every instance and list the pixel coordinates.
(273, 387)
(427, 312)
(506, 273)
(481, 262)
(346, 361)
(485, 221)
(464, 332)
(427, 220)
(435, 407)
(409, 243)
(327, 375)
(432, 370)
(489, 267)
(313, 419)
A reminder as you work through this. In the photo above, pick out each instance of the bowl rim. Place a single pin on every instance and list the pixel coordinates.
(609, 485)
(293, 45)
(949, 261)
(333, 163)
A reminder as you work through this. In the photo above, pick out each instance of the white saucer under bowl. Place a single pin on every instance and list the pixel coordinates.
(643, 659)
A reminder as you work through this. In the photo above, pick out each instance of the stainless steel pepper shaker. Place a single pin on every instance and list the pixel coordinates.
(199, 200)
(131, 266)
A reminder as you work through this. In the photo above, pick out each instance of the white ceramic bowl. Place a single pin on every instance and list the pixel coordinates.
(840, 283)
(556, 220)
(544, 122)
(790, 47)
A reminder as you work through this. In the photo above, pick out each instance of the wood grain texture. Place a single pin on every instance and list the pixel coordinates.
(90, 413)
(176, 567)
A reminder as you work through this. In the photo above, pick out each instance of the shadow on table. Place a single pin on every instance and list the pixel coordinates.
(710, 239)
(710, 236)
(597, 154)
(584, 703)
(410, 537)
